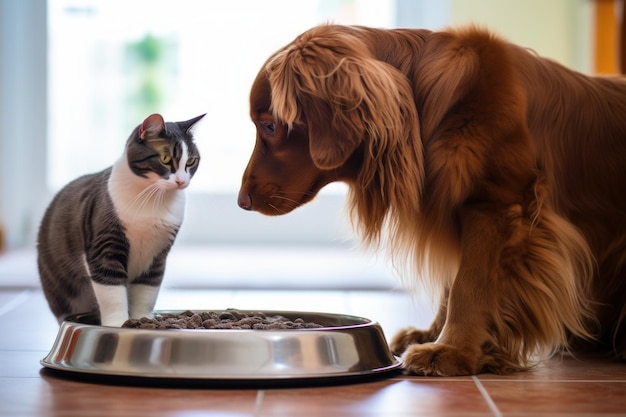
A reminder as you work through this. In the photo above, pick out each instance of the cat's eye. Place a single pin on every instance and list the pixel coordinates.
(192, 161)
(165, 159)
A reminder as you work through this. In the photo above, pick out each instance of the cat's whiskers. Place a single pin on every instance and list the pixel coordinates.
(158, 197)
(151, 195)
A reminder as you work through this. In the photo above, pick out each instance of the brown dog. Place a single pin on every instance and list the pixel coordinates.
(495, 175)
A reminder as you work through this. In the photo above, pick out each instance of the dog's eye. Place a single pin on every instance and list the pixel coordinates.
(269, 128)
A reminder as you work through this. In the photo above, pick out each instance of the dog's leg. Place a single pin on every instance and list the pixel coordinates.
(514, 296)
(457, 351)
(411, 335)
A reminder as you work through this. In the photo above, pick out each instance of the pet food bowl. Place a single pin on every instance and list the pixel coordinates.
(345, 346)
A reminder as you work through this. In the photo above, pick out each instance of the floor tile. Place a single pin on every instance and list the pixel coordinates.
(30, 324)
(9, 297)
(47, 396)
(565, 386)
(21, 363)
(557, 398)
(425, 397)
(567, 368)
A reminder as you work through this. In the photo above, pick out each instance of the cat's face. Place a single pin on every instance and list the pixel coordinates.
(164, 152)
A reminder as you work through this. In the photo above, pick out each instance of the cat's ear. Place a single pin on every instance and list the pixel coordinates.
(152, 127)
(188, 124)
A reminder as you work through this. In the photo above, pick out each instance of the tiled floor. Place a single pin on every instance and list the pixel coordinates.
(565, 387)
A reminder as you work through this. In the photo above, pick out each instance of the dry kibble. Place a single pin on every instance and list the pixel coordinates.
(231, 319)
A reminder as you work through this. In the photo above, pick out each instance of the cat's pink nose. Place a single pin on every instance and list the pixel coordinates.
(245, 201)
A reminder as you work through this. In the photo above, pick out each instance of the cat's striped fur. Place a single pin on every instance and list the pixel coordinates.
(104, 238)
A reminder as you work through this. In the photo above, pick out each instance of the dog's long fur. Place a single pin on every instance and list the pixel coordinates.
(497, 176)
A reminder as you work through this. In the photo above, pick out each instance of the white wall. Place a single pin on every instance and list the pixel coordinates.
(558, 29)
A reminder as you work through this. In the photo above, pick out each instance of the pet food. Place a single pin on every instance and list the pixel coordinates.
(229, 319)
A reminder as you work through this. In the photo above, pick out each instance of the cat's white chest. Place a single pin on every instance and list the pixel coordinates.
(149, 220)
(147, 237)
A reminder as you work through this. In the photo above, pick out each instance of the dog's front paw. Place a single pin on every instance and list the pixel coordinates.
(409, 336)
(433, 359)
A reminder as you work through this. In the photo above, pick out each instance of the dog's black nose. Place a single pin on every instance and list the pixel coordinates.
(244, 201)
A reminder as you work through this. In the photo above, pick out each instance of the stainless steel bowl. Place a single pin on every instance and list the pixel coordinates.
(346, 346)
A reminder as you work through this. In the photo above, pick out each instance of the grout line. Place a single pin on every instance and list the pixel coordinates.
(258, 403)
(14, 302)
(487, 397)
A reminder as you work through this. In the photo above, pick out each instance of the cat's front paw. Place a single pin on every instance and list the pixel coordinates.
(136, 315)
(113, 319)
(433, 359)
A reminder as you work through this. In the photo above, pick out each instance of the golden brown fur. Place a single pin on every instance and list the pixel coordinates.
(494, 175)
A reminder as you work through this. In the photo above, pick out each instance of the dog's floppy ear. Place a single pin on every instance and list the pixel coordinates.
(328, 79)
(331, 139)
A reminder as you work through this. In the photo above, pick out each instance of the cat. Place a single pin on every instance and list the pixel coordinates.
(104, 238)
